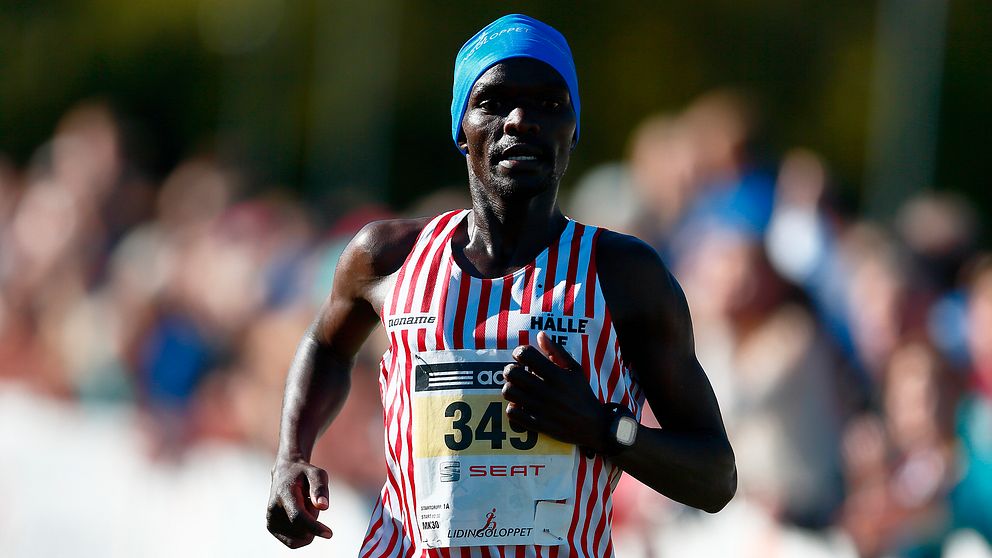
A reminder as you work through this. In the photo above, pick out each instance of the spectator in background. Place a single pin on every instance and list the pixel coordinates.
(800, 236)
(648, 193)
(204, 289)
(940, 230)
(55, 244)
(899, 462)
(778, 379)
(804, 242)
(606, 193)
(724, 127)
(971, 497)
(683, 173)
(662, 162)
(883, 301)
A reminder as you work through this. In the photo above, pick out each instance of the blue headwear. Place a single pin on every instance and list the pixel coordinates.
(511, 36)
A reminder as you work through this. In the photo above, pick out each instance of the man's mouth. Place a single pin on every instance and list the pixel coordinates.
(521, 157)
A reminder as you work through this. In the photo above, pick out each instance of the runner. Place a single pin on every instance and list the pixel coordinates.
(522, 347)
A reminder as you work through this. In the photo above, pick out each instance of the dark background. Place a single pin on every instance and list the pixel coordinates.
(320, 96)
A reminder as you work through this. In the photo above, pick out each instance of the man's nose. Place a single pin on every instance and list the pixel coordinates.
(520, 122)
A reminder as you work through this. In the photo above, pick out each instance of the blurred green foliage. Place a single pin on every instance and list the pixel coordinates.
(268, 81)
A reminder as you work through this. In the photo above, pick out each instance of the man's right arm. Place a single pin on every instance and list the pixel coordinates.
(320, 376)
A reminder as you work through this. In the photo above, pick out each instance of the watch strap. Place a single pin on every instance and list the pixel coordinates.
(615, 411)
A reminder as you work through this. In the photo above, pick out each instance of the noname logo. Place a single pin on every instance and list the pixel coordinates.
(451, 471)
(420, 319)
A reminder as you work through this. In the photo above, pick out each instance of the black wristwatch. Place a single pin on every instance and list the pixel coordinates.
(621, 433)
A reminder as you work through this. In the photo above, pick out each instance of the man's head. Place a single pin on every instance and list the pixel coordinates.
(515, 104)
(511, 36)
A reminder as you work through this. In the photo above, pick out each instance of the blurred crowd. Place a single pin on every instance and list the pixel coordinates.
(852, 359)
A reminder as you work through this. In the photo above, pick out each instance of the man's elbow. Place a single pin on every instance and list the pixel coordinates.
(724, 485)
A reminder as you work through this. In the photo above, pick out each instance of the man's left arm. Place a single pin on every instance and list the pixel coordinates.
(689, 459)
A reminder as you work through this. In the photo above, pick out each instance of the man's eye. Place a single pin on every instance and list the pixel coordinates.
(551, 105)
(491, 104)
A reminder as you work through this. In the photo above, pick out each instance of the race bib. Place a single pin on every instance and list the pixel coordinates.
(479, 479)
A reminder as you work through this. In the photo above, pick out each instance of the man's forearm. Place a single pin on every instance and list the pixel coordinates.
(696, 469)
(316, 388)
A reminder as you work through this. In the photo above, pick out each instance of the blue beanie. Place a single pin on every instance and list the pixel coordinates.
(511, 36)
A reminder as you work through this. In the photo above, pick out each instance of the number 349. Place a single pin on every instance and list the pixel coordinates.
(490, 428)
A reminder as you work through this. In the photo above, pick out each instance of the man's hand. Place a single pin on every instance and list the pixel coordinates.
(298, 494)
(549, 393)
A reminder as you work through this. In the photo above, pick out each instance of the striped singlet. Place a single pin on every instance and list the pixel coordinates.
(434, 307)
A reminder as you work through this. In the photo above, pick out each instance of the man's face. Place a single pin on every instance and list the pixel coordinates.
(518, 128)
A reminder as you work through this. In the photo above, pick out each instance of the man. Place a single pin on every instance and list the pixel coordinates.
(495, 447)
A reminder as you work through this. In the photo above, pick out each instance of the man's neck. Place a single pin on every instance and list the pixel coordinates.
(501, 236)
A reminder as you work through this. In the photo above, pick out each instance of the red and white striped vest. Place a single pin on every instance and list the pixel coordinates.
(434, 305)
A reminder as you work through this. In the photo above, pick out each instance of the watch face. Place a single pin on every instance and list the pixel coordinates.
(626, 431)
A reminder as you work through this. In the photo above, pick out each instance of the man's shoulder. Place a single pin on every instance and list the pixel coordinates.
(384, 245)
(615, 250)
(633, 276)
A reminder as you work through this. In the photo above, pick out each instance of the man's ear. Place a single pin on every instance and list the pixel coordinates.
(462, 142)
